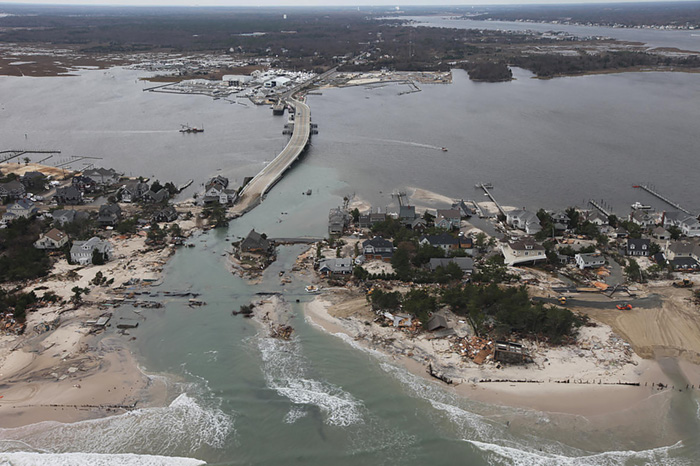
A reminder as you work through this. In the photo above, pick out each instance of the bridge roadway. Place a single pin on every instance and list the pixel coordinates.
(256, 188)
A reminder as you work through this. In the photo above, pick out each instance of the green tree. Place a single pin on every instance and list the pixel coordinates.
(675, 232)
(633, 271)
(419, 303)
(401, 264)
(355, 213)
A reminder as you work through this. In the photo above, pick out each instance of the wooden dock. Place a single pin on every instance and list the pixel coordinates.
(663, 198)
(11, 154)
(602, 209)
(486, 187)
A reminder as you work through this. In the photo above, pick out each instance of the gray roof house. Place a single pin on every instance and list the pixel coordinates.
(255, 242)
(61, 217)
(102, 176)
(678, 249)
(587, 261)
(161, 195)
(597, 218)
(637, 247)
(690, 226)
(444, 241)
(378, 248)
(167, 214)
(661, 233)
(336, 266)
(22, 208)
(12, 189)
(338, 220)
(81, 252)
(132, 191)
(109, 215)
(52, 239)
(524, 220)
(68, 195)
(642, 218)
(448, 218)
(465, 263)
(407, 214)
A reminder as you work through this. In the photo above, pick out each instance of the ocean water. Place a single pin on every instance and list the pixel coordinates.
(239, 397)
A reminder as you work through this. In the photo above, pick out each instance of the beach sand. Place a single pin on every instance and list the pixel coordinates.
(608, 360)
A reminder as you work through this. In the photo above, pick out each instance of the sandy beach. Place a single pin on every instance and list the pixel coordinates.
(593, 368)
(64, 369)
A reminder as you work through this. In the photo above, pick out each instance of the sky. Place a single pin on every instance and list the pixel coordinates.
(308, 2)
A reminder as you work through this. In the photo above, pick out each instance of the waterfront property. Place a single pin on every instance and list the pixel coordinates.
(102, 176)
(23, 208)
(82, 251)
(52, 239)
(378, 248)
(448, 218)
(338, 221)
(62, 216)
(11, 190)
(444, 241)
(132, 191)
(109, 215)
(521, 251)
(524, 220)
(68, 195)
(333, 266)
(255, 242)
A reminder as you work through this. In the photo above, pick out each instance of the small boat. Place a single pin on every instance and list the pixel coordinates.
(639, 206)
(312, 289)
(191, 129)
(444, 149)
(308, 192)
(624, 307)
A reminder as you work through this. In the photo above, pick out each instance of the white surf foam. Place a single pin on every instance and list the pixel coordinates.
(92, 459)
(285, 372)
(181, 428)
(498, 454)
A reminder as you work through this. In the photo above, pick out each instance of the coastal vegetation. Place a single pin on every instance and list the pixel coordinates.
(19, 260)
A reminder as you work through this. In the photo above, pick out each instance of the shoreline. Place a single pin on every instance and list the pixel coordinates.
(586, 398)
(62, 368)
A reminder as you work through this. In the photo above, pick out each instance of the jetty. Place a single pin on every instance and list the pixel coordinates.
(663, 198)
(253, 192)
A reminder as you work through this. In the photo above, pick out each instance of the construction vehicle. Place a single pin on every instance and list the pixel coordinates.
(685, 283)
(562, 300)
(624, 307)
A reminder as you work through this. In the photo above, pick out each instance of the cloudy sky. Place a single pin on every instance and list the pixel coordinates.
(302, 2)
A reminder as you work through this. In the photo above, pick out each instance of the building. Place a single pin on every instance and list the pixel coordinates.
(678, 249)
(62, 217)
(12, 190)
(642, 218)
(378, 248)
(444, 241)
(690, 226)
(336, 266)
(102, 176)
(524, 220)
(68, 195)
(278, 81)
(588, 261)
(82, 251)
(522, 251)
(560, 220)
(661, 233)
(23, 208)
(255, 242)
(216, 190)
(637, 247)
(338, 220)
(132, 191)
(465, 263)
(109, 215)
(236, 80)
(684, 264)
(156, 197)
(596, 218)
(33, 179)
(166, 214)
(448, 218)
(52, 239)
(83, 183)
(407, 214)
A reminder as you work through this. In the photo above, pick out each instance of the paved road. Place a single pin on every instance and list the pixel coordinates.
(254, 191)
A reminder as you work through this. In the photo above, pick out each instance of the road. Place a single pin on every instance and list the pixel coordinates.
(256, 189)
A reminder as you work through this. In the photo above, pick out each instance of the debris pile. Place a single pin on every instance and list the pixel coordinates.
(10, 325)
(474, 348)
(283, 332)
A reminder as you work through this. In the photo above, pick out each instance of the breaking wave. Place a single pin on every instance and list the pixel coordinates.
(92, 459)
(181, 428)
(284, 369)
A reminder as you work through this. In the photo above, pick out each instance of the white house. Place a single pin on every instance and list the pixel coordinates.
(81, 251)
(524, 220)
(522, 251)
(22, 208)
(690, 226)
(587, 261)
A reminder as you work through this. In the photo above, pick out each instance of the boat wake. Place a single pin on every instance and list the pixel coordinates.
(285, 372)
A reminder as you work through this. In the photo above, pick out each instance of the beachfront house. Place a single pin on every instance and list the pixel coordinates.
(156, 197)
(12, 190)
(82, 251)
(52, 239)
(338, 220)
(342, 266)
(690, 226)
(642, 218)
(589, 261)
(83, 183)
(102, 176)
(560, 220)
(33, 179)
(597, 219)
(637, 247)
(524, 250)
(109, 215)
(23, 208)
(524, 220)
(407, 214)
(378, 248)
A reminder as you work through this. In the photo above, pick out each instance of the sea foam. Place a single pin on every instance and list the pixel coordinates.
(92, 459)
(285, 372)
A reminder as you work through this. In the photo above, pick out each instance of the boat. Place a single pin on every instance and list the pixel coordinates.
(312, 289)
(308, 192)
(639, 206)
(191, 129)
(624, 307)
(444, 149)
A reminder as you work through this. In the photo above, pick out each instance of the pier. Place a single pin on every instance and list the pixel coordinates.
(602, 209)
(663, 198)
(486, 187)
(253, 192)
(6, 155)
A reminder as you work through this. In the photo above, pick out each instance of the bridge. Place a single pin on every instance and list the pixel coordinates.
(255, 190)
